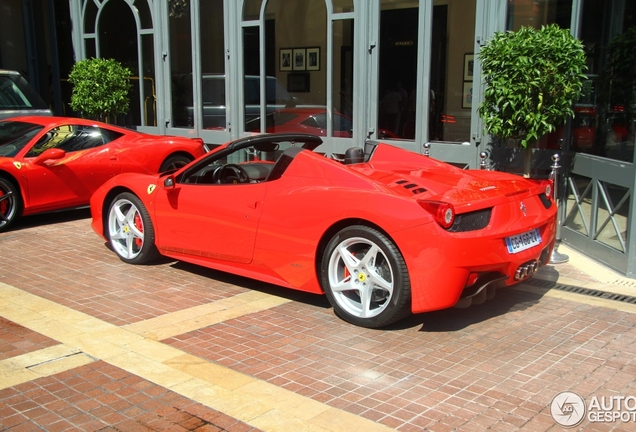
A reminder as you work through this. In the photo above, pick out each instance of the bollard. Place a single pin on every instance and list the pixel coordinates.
(556, 257)
(427, 149)
(482, 161)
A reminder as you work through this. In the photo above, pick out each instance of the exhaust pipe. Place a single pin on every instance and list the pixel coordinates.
(526, 270)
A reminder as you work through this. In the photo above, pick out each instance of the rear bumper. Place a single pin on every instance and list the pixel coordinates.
(440, 269)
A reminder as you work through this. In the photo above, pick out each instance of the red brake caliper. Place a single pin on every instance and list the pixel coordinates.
(4, 205)
(140, 226)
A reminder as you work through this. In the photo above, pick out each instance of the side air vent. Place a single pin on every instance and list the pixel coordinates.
(471, 221)
(416, 189)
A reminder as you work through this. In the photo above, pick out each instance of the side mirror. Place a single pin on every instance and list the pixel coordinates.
(168, 183)
(49, 154)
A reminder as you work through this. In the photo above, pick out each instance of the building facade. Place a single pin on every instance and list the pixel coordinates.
(405, 71)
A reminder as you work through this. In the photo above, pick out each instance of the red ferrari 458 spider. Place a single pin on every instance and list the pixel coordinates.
(382, 233)
(54, 163)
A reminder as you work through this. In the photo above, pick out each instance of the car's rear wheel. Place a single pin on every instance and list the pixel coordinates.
(130, 230)
(365, 277)
(10, 203)
(174, 162)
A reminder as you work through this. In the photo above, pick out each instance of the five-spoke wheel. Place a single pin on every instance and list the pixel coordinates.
(130, 230)
(365, 278)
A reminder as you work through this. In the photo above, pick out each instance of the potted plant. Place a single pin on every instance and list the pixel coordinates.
(533, 77)
(100, 88)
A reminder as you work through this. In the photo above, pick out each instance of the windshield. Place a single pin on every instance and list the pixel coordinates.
(15, 135)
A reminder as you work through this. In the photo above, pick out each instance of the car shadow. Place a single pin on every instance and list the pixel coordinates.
(317, 300)
(506, 300)
(41, 219)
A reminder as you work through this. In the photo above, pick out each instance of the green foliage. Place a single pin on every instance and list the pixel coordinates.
(532, 77)
(100, 88)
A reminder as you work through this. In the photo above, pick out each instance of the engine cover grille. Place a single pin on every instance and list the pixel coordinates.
(471, 221)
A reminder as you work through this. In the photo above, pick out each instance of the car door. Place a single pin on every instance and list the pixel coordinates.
(212, 221)
(70, 178)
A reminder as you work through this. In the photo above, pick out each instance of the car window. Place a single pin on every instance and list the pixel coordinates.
(15, 135)
(72, 138)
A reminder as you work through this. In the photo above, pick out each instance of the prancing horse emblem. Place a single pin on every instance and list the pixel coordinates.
(523, 208)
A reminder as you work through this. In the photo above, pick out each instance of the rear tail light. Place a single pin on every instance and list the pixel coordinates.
(442, 212)
(548, 190)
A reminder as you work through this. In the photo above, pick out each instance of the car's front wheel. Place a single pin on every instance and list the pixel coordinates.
(365, 277)
(10, 203)
(130, 230)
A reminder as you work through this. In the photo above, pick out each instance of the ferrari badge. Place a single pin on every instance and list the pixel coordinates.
(151, 188)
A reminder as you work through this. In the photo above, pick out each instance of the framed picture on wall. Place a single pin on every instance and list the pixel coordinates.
(285, 60)
(299, 59)
(313, 59)
(467, 94)
(469, 66)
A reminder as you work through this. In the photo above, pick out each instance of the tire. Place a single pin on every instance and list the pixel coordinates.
(130, 231)
(10, 203)
(174, 162)
(380, 294)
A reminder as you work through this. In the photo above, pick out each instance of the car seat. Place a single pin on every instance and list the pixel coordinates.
(353, 155)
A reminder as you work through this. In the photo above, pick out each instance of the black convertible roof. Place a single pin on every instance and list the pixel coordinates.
(310, 142)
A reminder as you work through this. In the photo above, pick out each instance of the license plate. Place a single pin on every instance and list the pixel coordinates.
(523, 241)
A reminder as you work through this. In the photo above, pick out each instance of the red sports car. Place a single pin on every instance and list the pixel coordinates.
(382, 233)
(54, 163)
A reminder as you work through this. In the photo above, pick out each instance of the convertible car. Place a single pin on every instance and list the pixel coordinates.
(382, 233)
(55, 163)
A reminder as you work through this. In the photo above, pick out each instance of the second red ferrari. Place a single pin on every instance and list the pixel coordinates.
(55, 163)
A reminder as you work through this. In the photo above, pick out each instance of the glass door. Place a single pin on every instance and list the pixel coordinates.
(298, 70)
(425, 73)
(196, 62)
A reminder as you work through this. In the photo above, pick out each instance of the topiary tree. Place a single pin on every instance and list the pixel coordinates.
(100, 88)
(533, 77)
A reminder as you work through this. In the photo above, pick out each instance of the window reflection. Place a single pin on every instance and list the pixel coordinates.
(342, 61)
(212, 55)
(447, 102)
(181, 65)
(294, 55)
(605, 117)
(532, 13)
(398, 69)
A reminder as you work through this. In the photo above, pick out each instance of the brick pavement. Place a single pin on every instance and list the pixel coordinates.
(242, 355)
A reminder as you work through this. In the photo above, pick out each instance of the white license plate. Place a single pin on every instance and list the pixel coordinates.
(523, 241)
